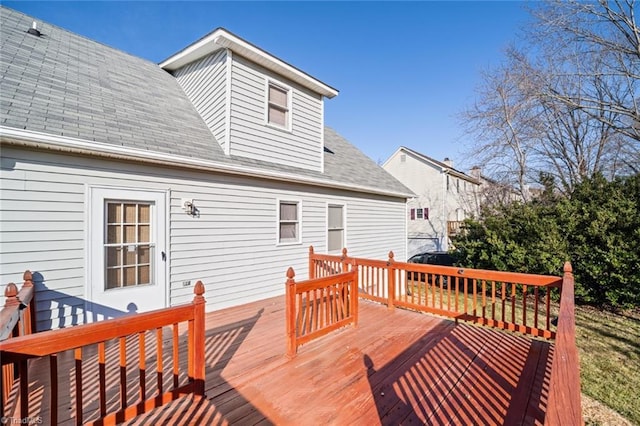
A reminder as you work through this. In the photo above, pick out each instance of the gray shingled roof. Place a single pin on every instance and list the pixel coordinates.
(64, 84)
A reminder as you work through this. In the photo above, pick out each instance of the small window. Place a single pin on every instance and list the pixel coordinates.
(278, 105)
(403, 158)
(288, 222)
(335, 228)
(419, 213)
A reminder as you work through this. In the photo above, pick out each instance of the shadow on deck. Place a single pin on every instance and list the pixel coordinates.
(396, 367)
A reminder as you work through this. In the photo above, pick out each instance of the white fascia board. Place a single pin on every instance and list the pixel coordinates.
(37, 140)
(221, 38)
(401, 149)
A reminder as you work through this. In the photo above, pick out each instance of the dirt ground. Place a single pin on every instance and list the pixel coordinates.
(595, 413)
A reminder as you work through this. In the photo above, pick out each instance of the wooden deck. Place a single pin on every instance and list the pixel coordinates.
(395, 367)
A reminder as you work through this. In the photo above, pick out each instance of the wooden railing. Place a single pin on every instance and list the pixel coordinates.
(454, 227)
(17, 318)
(506, 300)
(318, 306)
(115, 338)
(564, 406)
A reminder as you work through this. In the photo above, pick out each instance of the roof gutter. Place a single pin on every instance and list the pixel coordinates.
(29, 139)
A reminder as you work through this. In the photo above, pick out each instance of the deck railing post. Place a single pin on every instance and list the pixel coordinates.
(199, 344)
(290, 310)
(312, 266)
(30, 311)
(564, 406)
(354, 296)
(391, 270)
(344, 259)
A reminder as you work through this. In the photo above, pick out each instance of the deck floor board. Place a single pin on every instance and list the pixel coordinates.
(395, 367)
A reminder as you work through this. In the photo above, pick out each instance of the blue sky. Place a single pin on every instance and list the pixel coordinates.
(405, 70)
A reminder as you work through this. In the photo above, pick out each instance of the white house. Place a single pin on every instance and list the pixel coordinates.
(444, 198)
(125, 181)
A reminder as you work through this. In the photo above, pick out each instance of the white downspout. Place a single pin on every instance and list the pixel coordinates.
(444, 245)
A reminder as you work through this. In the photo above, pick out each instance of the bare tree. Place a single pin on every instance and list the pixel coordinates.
(568, 107)
(499, 122)
(602, 42)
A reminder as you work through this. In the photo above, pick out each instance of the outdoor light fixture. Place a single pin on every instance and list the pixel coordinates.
(189, 207)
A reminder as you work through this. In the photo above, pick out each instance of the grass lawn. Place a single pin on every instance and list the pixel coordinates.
(609, 348)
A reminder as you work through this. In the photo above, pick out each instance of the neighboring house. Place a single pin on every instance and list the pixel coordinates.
(444, 198)
(494, 193)
(124, 181)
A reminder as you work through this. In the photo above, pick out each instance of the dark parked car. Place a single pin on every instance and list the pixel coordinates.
(433, 258)
(441, 258)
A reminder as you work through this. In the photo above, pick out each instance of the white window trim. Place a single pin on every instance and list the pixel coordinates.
(271, 81)
(299, 240)
(91, 232)
(344, 225)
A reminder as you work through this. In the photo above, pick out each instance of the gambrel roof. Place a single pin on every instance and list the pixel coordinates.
(66, 92)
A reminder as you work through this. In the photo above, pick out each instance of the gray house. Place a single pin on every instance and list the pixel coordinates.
(124, 181)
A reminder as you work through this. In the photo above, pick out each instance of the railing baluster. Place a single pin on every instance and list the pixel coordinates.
(53, 394)
(176, 358)
(513, 303)
(306, 313)
(493, 300)
(503, 298)
(524, 305)
(484, 299)
(548, 308)
(475, 285)
(466, 295)
(23, 372)
(298, 315)
(78, 359)
(160, 367)
(102, 379)
(122, 342)
(142, 365)
(535, 307)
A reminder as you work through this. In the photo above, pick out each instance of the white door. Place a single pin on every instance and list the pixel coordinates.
(126, 252)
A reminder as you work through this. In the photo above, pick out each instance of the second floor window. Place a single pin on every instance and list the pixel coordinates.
(278, 106)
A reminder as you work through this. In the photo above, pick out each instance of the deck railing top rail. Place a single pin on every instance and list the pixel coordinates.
(111, 334)
(508, 300)
(564, 407)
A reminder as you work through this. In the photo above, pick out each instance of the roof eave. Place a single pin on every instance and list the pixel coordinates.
(222, 39)
(30, 139)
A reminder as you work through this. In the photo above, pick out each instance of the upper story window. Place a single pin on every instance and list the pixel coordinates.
(279, 105)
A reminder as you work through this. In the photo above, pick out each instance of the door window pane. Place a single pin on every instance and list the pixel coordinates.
(128, 247)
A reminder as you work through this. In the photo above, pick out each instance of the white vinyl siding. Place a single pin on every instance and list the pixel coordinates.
(229, 246)
(204, 82)
(253, 137)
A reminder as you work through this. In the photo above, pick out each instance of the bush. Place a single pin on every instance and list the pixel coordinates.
(597, 228)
